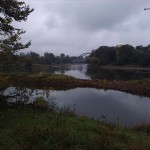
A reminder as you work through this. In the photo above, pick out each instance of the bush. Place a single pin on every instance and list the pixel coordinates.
(41, 103)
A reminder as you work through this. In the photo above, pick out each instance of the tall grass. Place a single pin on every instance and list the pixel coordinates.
(33, 129)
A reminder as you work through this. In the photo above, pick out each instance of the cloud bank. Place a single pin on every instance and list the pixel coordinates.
(77, 26)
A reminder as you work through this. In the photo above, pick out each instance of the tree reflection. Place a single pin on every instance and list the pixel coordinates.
(95, 72)
(20, 96)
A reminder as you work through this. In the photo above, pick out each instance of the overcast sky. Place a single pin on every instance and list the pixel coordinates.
(77, 26)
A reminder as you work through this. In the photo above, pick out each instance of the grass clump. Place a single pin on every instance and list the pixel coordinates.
(40, 103)
(32, 129)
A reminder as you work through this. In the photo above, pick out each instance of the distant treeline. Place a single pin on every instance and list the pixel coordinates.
(121, 55)
(104, 55)
(25, 62)
(47, 59)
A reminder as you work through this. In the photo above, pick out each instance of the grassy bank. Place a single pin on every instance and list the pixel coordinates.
(29, 129)
(53, 81)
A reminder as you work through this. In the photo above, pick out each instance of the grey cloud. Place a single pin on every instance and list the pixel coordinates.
(95, 15)
(75, 26)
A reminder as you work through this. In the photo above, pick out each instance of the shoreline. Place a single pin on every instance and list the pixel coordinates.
(63, 82)
(123, 68)
(113, 67)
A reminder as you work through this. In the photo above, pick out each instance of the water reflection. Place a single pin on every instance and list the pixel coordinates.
(77, 71)
(111, 106)
(84, 71)
(95, 72)
(21, 96)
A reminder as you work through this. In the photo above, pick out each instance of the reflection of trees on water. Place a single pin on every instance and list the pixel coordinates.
(110, 74)
(79, 68)
(63, 69)
(43, 69)
(75, 67)
(20, 96)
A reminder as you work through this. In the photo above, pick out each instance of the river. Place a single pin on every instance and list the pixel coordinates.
(109, 106)
(105, 105)
(85, 71)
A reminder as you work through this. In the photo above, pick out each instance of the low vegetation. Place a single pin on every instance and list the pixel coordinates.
(28, 128)
(54, 81)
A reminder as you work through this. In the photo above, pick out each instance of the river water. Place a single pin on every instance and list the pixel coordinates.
(95, 72)
(109, 106)
(105, 105)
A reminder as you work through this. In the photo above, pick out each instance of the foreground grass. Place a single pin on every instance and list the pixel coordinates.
(29, 129)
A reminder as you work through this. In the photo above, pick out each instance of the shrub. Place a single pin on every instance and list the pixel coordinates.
(41, 103)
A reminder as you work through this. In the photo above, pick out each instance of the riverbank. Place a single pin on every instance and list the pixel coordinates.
(112, 67)
(26, 128)
(60, 82)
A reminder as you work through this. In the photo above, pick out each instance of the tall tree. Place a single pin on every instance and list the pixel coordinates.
(12, 11)
(124, 54)
(49, 58)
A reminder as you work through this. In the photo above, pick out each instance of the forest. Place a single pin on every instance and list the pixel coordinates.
(25, 61)
(121, 55)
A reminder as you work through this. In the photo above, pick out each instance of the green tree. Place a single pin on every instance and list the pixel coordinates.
(124, 54)
(49, 58)
(93, 60)
(67, 59)
(34, 57)
(104, 55)
(12, 11)
(62, 57)
(143, 55)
